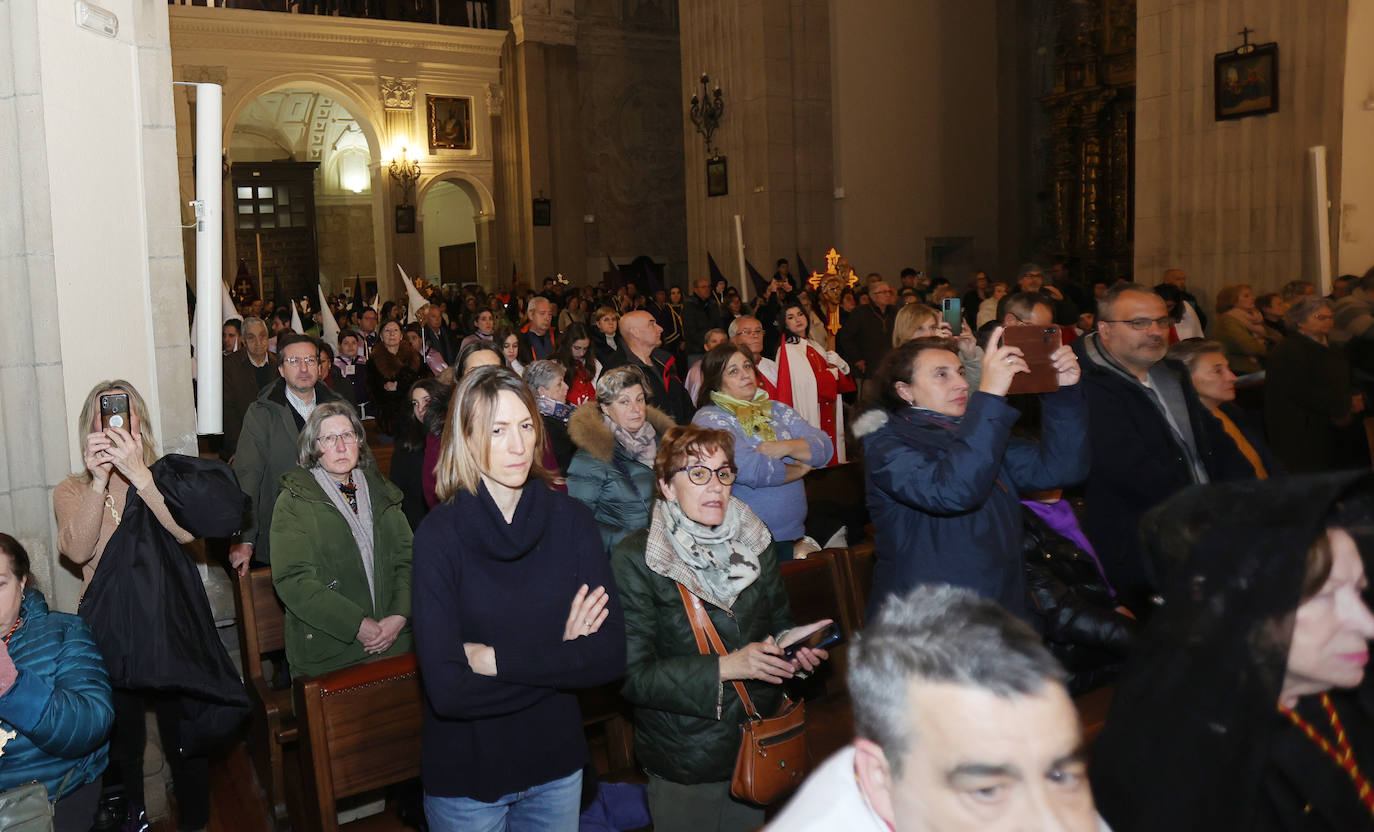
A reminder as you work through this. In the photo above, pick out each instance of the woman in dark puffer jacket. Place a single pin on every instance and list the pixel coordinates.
(55, 705)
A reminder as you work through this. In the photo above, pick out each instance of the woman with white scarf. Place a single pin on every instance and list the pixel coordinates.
(1240, 328)
(617, 437)
(340, 550)
(687, 715)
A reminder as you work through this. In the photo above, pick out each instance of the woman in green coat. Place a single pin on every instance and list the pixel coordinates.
(340, 550)
(687, 715)
(617, 436)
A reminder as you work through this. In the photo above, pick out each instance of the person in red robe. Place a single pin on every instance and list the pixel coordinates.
(810, 378)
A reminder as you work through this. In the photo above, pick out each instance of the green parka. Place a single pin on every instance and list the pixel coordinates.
(618, 489)
(687, 721)
(318, 572)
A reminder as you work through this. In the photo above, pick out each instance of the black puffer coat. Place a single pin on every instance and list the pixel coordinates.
(1073, 608)
(686, 721)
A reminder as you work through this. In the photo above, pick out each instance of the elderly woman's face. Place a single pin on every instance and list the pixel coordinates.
(1332, 629)
(11, 592)
(628, 409)
(1213, 379)
(607, 324)
(1246, 298)
(704, 504)
(391, 335)
(1319, 324)
(338, 446)
(558, 390)
(738, 378)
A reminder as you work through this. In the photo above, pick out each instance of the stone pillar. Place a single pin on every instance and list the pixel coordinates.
(93, 276)
(398, 132)
(772, 60)
(543, 131)
(486, 249)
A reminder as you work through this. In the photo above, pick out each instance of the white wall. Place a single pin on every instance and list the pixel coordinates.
(1355, 241)
(446, 219)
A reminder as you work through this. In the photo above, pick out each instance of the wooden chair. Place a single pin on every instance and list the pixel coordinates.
(262, 632)
(858, 570)
(608, 721)
(360, 730)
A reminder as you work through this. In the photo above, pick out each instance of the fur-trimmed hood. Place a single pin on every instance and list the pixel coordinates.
(869, 422)
(588, 430)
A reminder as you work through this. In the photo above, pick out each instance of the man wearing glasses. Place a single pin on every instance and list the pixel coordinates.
(1150, 434)
(267, 445)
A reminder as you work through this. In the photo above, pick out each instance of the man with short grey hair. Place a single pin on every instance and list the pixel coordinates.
(963, 722)
(245, 373)
(537, 335)
(640, 337)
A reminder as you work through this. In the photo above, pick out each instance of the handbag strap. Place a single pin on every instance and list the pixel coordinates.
(708, 639)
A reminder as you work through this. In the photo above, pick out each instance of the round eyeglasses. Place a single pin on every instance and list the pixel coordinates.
(701, 475)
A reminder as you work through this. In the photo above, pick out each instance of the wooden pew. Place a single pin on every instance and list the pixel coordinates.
(816, 589)
(360, 730)
(262, 632)
(857, 564)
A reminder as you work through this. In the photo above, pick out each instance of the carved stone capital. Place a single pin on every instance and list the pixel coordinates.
(203, 74)
(397, 93)
(496, 99)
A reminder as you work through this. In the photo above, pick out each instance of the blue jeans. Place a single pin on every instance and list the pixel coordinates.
(548, 807)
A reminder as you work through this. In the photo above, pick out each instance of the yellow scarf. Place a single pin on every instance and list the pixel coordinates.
(755, 417)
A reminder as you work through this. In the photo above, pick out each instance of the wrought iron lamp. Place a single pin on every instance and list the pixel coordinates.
(706, 111)
(405, 171)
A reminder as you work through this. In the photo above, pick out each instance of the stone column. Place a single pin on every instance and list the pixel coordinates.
(771, 58)
(89, 238)
(486, 251)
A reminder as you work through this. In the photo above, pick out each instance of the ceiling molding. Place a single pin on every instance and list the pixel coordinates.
(210, 28)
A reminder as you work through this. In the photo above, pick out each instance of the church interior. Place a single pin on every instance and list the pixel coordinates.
(498, 143)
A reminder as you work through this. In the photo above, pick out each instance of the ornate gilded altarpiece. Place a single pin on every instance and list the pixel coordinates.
(1091, 142)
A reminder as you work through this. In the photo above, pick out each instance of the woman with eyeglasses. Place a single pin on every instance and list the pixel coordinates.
(1310, 407)
(340, 550)
(687, 716)
(774, 446)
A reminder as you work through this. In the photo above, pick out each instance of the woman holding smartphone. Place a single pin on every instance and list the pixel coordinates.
(514, 608)
(944, 472)
(105, 510)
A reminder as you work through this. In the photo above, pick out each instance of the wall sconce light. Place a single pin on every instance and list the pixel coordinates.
(404, 172)
(706, 110)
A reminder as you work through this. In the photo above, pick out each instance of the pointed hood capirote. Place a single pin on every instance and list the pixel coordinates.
(1191, 737)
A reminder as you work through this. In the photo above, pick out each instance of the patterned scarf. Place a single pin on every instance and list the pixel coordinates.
(358, 515)
(755, 417)
(642, 445)
(561, 411)
(716, 563)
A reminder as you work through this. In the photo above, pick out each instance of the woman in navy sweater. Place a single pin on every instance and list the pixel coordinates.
(514, 607)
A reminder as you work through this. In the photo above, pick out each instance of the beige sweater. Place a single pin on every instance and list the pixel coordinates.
(85, 523)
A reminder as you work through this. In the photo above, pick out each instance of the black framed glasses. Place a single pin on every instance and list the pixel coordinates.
(701, 475)
(1142, 324)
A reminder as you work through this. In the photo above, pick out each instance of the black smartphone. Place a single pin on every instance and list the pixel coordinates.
(114, 411)
(819, 640)
(953, 314)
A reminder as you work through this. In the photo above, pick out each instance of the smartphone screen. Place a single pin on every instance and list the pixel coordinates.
(819, 640)
(114, 411)
(953, 314)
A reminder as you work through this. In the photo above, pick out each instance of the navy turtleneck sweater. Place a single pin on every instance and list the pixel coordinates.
(480, 579)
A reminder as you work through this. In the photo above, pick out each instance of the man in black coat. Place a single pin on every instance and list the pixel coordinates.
(640, 336)
(435, 335)
(701, 313)
(867, 336)
(1150, 435)
(246, 372)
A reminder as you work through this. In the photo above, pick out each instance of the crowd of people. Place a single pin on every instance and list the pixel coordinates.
(1186, 518)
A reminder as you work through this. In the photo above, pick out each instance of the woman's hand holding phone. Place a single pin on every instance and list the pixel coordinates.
(807, 658)
(126, 452)
(1066, 365)
(97, 459)
(1000, 365)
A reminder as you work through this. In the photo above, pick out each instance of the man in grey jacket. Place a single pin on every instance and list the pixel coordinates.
(267, 445)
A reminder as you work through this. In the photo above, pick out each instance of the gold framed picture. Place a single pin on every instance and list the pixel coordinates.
(450, 122)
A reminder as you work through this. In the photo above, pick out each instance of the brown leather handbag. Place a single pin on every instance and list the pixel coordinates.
(772, 759)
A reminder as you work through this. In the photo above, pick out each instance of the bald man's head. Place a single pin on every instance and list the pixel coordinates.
(640, 331)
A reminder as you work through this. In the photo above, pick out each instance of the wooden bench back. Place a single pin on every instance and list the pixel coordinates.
(858, 567)
(360, 729)
(262, 620)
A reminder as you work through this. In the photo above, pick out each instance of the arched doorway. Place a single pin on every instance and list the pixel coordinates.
(302, 208)
(449, 228)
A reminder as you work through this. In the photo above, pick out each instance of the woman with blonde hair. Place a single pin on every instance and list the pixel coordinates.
(499, 684)
(1240, 329)
(123, 520)
(916, 320)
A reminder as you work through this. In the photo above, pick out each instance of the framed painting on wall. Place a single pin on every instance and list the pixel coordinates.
(450, 122)
(1246, 81)
(717, 176)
